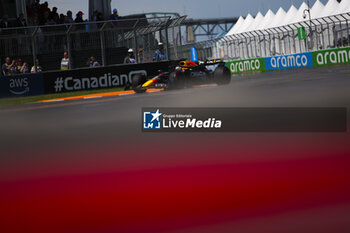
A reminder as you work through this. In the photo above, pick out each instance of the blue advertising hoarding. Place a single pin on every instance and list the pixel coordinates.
(21, 85)
(299, 60)
(194, 54)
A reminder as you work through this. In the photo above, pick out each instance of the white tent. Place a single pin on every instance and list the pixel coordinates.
(344, 7)
(268, 45)
(293, 15)
(298, 17)
(290, 15)
(268, 18)
(257, 20)
(330, 8)
(237, 26)
(278, 19)
(247, 22)
(317, 9)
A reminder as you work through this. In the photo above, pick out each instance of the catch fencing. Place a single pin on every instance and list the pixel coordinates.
(107, 41)
(322, 33)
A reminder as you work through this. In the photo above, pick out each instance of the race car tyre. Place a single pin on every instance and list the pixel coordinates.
(222, 75)
(137, 82)
(176, 81)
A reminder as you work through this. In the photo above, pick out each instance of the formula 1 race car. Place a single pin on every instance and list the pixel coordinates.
(184, 74)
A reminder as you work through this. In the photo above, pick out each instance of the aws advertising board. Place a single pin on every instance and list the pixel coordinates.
(299, 60)
(21, 85)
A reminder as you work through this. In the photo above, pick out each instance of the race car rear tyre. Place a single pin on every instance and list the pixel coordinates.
(222, 75)
(137, 82)
(176, 81)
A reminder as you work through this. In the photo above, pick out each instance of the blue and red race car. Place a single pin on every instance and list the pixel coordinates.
(184, 74)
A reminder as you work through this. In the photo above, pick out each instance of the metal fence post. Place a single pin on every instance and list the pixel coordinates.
(34, 48)
(347, 27)
(328, 34)
(274, 42)
(167, 39)
(256, 47)
(103, 46)
(264, 45)
(135, 39)
(180, 35)
(246, 46)
(322, 35)
(238, 46)
(290, 43)
(271, 37)
(316, 35)
(69, 49)
(341, 29)
(243, 49)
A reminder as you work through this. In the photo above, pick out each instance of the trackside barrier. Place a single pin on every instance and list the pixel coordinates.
(293, 61)
(21, 85)
(248, 65)
(299, 60)
(331, 57)
(99, 78)
(77, 80)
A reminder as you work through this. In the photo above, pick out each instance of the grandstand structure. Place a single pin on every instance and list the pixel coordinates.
(271, 34)
(14, 7)
(107, 41)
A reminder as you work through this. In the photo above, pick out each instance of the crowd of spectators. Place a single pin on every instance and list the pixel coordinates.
(343, 42)
(18, 66)
(40, 14)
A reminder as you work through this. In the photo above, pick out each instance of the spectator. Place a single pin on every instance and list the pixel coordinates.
(44, 8)
(22, 67)
(66, 21)
(45, 19)
(345, 41)
(79, 20)
(79, 17)
(159, 54)
(55, 20)
(94, 15)
(100, 17)
(114, 17)
(36, 22)
(21, 22)
(35, 7)
(130, 58)
(4, 23)
(141, 55)
(65, 63)
(9, 68)
(54, 15)
(339, 42)
(39, 69)
(93, 63)
(61, 19)
(69, 17)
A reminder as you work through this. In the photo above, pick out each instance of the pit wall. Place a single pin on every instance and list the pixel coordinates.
(319, 58)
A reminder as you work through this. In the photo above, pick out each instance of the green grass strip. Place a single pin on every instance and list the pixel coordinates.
(33, 99)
